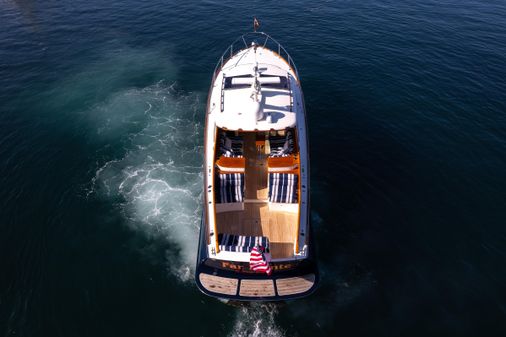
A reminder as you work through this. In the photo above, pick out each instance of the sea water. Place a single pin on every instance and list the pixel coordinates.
(101, 145)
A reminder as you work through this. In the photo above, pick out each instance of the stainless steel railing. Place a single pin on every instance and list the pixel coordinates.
(244, 42)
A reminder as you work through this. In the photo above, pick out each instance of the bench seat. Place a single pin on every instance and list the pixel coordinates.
(241, 243)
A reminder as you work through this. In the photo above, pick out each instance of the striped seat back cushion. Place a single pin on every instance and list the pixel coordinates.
(229, 187)
(283, 187)
(281, 146)
(231, 145)
(241, 243)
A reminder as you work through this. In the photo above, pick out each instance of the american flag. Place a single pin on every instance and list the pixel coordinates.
(258, 262)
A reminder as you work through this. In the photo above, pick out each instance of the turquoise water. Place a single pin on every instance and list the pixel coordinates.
(102, 110)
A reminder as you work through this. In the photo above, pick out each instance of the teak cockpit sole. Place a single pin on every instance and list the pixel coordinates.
(257, 220)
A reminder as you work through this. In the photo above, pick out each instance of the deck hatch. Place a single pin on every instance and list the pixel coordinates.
(245, 81)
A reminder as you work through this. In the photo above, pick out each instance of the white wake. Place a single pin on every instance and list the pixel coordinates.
(257, 320)
(155, 136)
(158, 181)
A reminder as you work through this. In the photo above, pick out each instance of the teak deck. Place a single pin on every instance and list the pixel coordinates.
(257, 219)
(257, 288)
(256, 169)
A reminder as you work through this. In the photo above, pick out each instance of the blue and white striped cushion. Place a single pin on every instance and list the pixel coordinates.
(241, 243)
(283, 187)
(230, 187)
(234, 148)
(281, 146)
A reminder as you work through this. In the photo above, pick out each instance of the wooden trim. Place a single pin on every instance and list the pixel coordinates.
(206, 182)
(216, 243)
(287, 161)
(282, 164)
(296, 246)
(231, 162)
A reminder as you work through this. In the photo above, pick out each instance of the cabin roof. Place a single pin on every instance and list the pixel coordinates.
(237, 108)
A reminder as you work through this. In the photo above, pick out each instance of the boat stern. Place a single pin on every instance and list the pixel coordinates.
(234, 281)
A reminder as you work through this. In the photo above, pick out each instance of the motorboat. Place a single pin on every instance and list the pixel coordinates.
(256, 177)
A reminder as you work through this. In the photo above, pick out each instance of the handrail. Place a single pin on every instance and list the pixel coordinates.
(242, 40)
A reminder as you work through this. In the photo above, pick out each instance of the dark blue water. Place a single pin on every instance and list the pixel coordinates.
(102, 109)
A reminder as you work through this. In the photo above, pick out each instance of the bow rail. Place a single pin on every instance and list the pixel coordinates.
(261, 39)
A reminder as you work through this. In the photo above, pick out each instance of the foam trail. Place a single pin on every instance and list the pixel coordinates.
(255, 320)
(158, 181)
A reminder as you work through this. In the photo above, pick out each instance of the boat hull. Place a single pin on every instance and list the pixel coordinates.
(294, 274)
